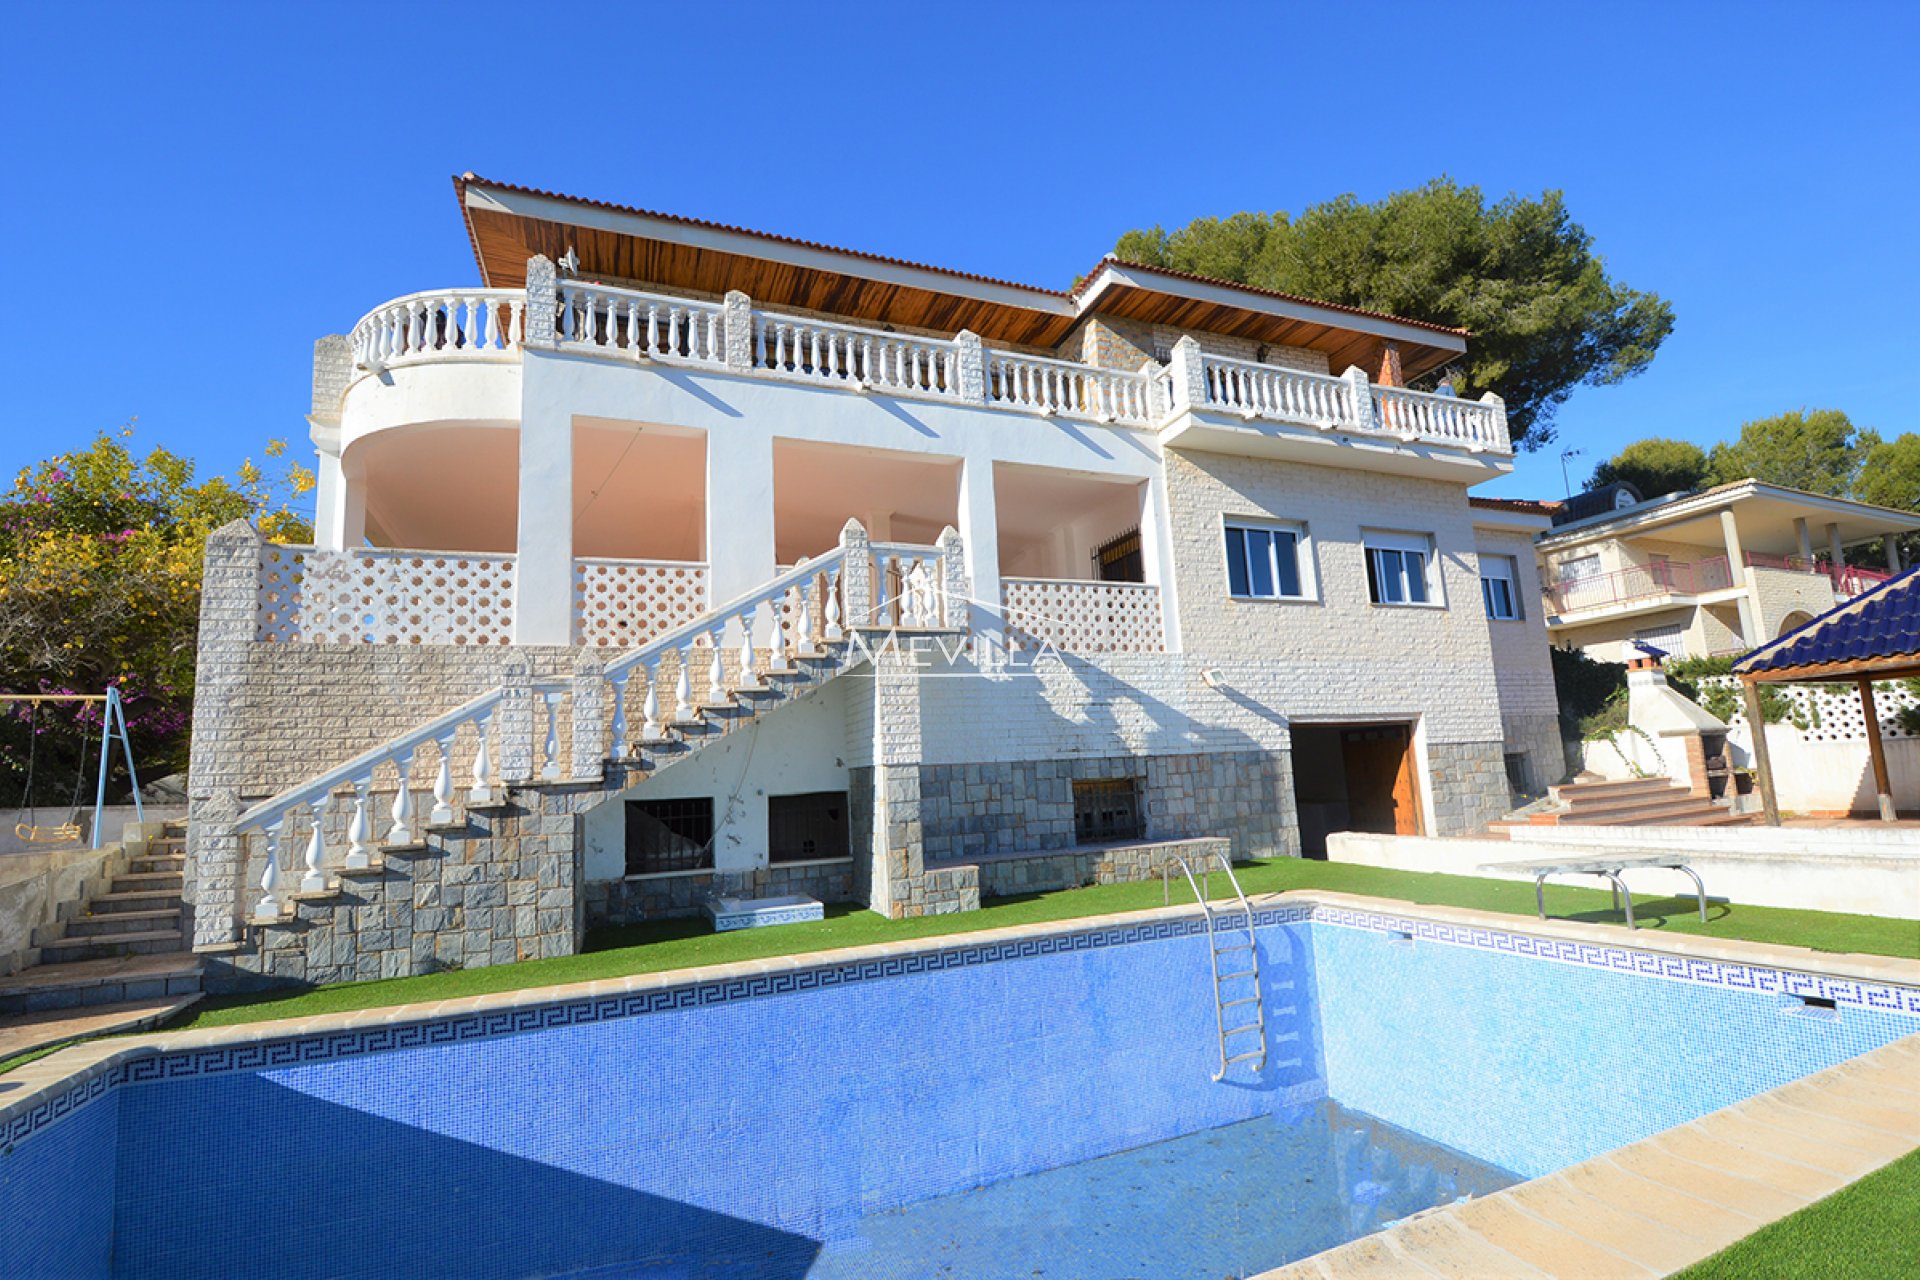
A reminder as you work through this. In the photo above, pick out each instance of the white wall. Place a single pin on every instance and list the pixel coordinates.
(797, 748)
(1809, 870)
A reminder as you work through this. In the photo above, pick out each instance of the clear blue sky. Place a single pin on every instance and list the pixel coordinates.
(193, 193)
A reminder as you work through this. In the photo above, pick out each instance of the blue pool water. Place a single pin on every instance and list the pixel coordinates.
(886, 1114)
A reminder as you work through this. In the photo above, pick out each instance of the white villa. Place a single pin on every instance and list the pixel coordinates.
(676, 561)
(1717, 572)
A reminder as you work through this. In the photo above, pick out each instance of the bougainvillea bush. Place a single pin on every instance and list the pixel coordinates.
(100, 560)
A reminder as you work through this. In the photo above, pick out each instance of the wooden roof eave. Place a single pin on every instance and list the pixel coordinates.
(1894, 667)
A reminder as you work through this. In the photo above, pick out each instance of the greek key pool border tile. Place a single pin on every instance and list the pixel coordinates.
(1757, 979)
(295, 1051)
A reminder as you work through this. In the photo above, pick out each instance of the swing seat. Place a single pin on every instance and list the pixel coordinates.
(65, 832)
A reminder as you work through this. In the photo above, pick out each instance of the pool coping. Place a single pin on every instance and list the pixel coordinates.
(1857, 1104)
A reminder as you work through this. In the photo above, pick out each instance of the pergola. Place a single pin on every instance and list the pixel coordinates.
(1872, 637)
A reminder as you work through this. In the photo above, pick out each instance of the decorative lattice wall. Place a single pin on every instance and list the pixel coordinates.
(383, 597)
(622, 604)
(1831, 713)
(1082, 617)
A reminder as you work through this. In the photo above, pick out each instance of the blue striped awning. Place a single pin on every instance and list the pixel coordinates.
(1881, 626)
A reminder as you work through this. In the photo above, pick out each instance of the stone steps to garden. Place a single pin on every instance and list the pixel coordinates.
(122, 947)
(1631, 802)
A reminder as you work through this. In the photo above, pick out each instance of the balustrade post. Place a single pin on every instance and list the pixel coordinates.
(830, 607)
(856, 574)
(1498, 408)
(360, 829)
(481, 792)
(442, 814)
(683, 685)
(972, 373)
(620, 749)
(1158, 404)
(589, 719)
(1189, 374)
(1360, 396)
(717, 668)
(651, 729)
(955, 591)
(550, 747)
(401, 832)
(315, 881)
(543, 303)
(748, 678)
(739, 330)
(270, 907)
(777, 645)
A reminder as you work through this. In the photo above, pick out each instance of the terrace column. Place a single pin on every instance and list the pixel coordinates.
(1737, 575)
(739, 514)
(1805, 537)
(1156, 558)
(1762, 762)
(543, 561)
(980, 540)
(339, 508)
(1834, 550)
(1893, 553)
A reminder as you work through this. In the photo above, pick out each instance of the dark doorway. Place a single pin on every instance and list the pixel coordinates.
(1353, 777)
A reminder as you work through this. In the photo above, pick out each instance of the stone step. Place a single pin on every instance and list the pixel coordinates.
(113, 922)
(25, 1032)
(149, 880)
(1651, 815)
(1577, 793)
(1625, 803)
(142, 943)
(174, 864)
(100, 982)
(135, 900)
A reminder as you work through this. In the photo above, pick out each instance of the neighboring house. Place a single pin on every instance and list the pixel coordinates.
(679, 560)
(1698, 574)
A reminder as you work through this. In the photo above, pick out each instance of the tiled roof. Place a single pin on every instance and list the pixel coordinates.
(1883, 624)
(1523, 506)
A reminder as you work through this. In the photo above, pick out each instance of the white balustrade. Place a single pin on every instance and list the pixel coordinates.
(270, 906)
(360, 829)
(1271, 391)
(1470, 424)
(401, 832)
(315, 881)
(469, 323)
(442, 813)
(1042, 385)
(1082, 617)
(641, 326)
(852, 356)
(550, 747)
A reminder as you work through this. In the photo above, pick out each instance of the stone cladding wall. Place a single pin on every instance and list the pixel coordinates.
(640, 898)
(1469, 782)
(1106, 864)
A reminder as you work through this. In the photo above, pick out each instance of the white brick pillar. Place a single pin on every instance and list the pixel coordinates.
(1499, 408)
(971, 378)
(543, 304)
(739, 331)
(1189, 375)
(1751, 621)
(332, 370)
(589, 695)
(1360, 393)
(856, 576)
(980, 542)
(1835, 552)
(955, 608)
(229, 601)
(516, 723)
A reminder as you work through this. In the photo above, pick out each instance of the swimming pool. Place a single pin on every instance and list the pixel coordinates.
(796, 1118)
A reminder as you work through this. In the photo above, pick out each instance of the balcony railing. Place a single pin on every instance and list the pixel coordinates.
(604, 320)
(1082, 617)
(1690, 578)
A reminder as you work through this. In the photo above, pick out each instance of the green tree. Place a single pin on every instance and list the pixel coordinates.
(1655, 466)
(1890, 474)
(1519, 273)
(100, 562)
(1818, 450)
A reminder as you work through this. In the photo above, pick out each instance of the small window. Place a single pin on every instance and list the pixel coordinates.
(1497, 589)
(1106, 809)
(1579, 567)
(1399, 567)
(1119, 559)
(1263, 562)
(669, 835)
(805, 827)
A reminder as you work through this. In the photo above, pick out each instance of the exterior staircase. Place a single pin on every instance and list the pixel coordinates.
(1633, 802)
(121, 951)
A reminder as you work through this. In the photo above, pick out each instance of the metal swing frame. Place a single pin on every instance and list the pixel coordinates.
(113, 722)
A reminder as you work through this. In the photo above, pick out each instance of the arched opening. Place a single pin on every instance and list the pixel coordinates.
(1794, 621)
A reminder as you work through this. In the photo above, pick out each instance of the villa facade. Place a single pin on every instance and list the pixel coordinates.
(677, 561)
(1714, 573)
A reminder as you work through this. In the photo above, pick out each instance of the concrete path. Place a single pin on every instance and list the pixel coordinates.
(23, 1033)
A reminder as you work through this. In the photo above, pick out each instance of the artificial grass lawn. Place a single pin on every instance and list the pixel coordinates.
(679, 944)
(1865, 1231)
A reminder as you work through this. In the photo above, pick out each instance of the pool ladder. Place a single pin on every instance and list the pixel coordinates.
(1219, 926)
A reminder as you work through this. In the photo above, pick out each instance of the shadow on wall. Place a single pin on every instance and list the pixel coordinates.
(400, 1200)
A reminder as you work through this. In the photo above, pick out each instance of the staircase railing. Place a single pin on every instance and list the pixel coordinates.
(857, 584)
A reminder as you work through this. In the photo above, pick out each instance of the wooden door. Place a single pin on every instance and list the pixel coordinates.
(1381, 795)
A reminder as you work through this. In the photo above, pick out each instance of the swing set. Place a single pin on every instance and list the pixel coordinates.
(113, 723)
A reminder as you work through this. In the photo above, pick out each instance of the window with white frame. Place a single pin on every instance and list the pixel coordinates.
(1497, 577)
(1400, 568)
(1580, 567)
(1265, 561)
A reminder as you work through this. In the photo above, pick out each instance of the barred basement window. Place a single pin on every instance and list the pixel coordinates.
(804, 827)
(669, 835)
(1106, 809)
